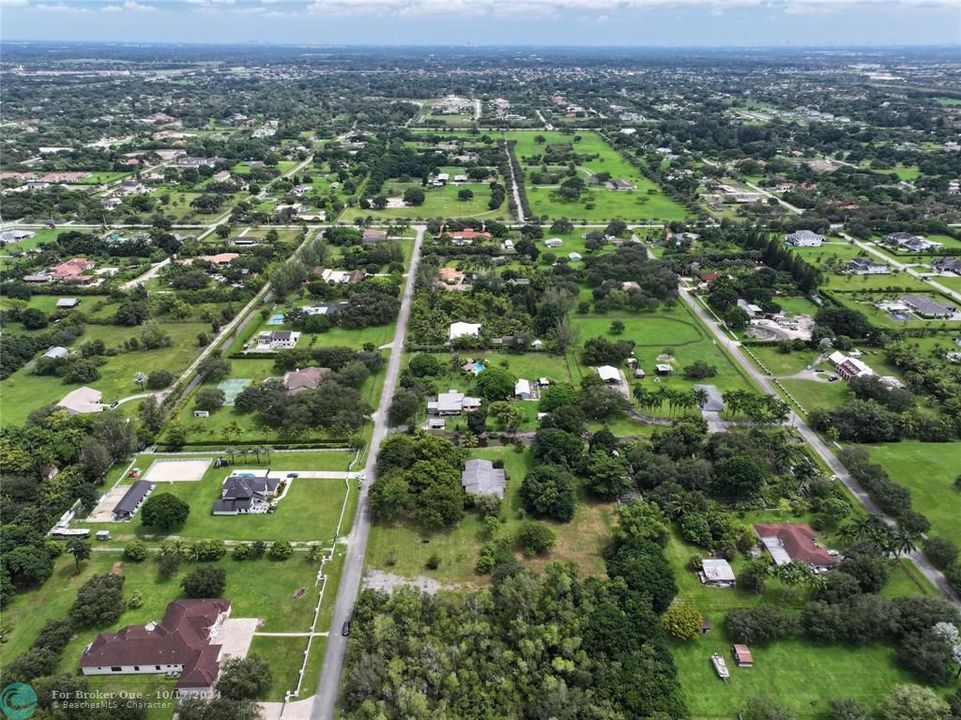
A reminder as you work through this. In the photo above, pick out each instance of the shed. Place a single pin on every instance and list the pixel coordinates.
(742, 655)
(522, 389)
(663, 369)
(132, 500)
(716, 572)
(68, 302)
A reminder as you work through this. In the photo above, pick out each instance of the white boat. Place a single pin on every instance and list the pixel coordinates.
(720, 667)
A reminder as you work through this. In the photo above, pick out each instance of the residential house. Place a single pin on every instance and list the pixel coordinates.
(278, 339)
(716, 572)
(480, 477)
(913, 243)
(865, 266)
(848, 367)
(82, 400)
(373, 237)
(450, 276)
(751, 309)
(245, 240)
(804, 238)
(56, 352)
(12, 236)
(950, 264)
(452, 402)
(609, 374)
(663, 369)
(73, 271)
(296, 381)
(553, 242)
(796, 542)
(928, 308)
(183, 643)
(68, 303)
(574, 257)
(132, 500)
(220, 258)
(245, 493)
(467, 236)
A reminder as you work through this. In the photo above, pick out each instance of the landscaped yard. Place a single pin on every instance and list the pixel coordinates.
(440, 202)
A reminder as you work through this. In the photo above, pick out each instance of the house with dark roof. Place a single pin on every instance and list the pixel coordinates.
(928, 308)
(796, 542)
(183, 643)
(949, 264)
(245, 493)
(480, 477)
(864, 266)
(804, 238)
(132, 500)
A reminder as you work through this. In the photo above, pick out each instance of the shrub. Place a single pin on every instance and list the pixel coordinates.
(682, 621)
(280, 550)
(164, 512)
(99, 601)
(135, 551)
(942, 553)
(433, 562)
(759, 625)
(205, 582)
(534, 538)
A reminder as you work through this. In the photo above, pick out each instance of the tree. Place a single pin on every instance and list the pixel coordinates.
(414, 196)
(496, 383)
(389, 496)
(507, 415)
(140, 378)
(28, 565)
(218, 709)
(912, 702)
(244, 678)
(739, 477)
(847, 709)
(403, 407)
(164, 512)
(99, 601)
(424, 365)
(699, 370)
(767, 708)
(33, 319)
(280, 550)
(209, 399)
(534, 538)
(617, 327)
(465, 194)
(556, 396)
(607, 474)
(644, 520)
(135, 551)
(644, 569)
(208, 581)
(96, 459)
(942, 553)
(549, 491)
(80, 549)
(80, 370)
(159, 379)
(682, 621)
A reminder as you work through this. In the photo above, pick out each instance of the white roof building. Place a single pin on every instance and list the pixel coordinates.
(553, 242)
(463, 329)
(57, 351)
(717, 571)
(522, 388)
(609, 374)
(82, 400)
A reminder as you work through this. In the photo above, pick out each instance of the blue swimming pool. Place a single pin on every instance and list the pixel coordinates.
(277, 319)
(479, 367)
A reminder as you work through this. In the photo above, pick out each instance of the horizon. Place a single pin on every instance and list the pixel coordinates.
(491, 23)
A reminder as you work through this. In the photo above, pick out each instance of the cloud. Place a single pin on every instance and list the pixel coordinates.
(13, 3)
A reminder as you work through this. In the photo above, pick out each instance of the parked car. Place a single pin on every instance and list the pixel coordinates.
(345, 631)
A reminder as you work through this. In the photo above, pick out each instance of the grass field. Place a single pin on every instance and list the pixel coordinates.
(403, 550)
(440, 202)
(645, 202)
(309, 511)
(24, 392)
(929, 471)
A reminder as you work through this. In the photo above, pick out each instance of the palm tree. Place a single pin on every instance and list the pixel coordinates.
(141, 379)
(700, 397)
(903, 543)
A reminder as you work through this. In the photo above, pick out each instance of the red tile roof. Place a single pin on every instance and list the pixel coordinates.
(799, 543)
(181, 638)
(469, 234)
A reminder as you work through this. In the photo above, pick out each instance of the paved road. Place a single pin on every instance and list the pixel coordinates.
(151, 273)
(812, 438)
(325, 700)
(517, 194)
(867, 247)
(794, 209)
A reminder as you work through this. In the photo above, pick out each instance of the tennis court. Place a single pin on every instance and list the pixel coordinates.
(177, 470)
(232, 388)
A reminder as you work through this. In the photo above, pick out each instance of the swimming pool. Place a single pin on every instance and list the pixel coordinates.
(479, 367)
(277, 319)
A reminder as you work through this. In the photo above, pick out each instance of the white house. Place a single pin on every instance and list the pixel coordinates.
(553, 242)
(278, 339)
(609, 374)
(716, 572)
(82, 400)
(804, 238)
(574, 257)
(463, 329)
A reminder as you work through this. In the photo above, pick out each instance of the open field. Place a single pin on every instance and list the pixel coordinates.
(404, 551)
(929, 471)
(440, 202)
(24, 392)
(645, 202)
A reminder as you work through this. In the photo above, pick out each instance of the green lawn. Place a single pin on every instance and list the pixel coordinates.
(24, 392)
(440, 202)
(284, 655)
(645, 202)
(929, 471)
(784, 364)
(309, 511)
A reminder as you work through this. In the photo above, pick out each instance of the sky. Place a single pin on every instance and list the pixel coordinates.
(719, 23)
